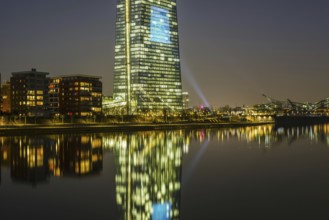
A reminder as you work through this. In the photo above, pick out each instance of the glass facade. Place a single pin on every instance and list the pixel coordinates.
(160, 30)
(147, 74)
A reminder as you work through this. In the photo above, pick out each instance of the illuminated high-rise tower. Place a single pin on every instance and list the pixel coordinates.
(147, 75)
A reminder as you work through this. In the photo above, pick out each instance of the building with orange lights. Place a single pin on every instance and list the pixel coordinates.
(29, 93)
(75, 95)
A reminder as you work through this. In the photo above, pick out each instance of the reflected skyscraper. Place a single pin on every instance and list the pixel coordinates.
(147, 74)
(148, 175)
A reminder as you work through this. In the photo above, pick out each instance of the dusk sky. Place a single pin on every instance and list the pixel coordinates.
(232, 51)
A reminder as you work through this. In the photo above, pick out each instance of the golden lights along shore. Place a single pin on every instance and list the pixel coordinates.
(47, 151)
(83, 128)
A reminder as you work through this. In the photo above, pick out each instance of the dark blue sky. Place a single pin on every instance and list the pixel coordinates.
(233, 50)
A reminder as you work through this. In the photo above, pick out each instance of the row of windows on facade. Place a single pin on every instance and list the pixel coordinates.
(25, 98)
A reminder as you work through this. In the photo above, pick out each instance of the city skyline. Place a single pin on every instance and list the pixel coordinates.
(231, 51)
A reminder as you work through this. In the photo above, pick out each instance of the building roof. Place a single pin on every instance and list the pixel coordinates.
(33, 70)
(77, 75)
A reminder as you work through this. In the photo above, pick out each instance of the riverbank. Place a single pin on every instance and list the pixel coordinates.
(14, 130)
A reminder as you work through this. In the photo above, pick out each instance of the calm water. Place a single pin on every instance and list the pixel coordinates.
(236, 173)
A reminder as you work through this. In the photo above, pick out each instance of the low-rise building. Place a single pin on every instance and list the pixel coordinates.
(29, 93)
(75, 95)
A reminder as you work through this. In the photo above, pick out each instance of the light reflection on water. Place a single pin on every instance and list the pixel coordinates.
(147, 165)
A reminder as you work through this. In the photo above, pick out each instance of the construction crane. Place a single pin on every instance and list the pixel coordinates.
(321, 107)
(300, 108)
(322, 104)
(276, 103)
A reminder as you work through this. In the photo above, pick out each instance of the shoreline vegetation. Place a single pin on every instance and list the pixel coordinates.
(60, 128)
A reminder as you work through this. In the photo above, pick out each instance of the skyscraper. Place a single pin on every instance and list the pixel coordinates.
(147, 75)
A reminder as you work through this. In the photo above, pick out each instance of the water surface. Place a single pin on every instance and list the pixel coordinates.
(233, 173)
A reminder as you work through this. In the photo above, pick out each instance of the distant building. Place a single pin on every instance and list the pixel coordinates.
(186, 100)
(113, 106)
(29, 93)
(107, 103)
(78, 95)
(5, 97)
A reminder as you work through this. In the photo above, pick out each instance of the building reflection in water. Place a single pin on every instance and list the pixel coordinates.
(148, 174)
(5, 151)
(29, 159)
(34, 159)
(148, 164)
(76, 155)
